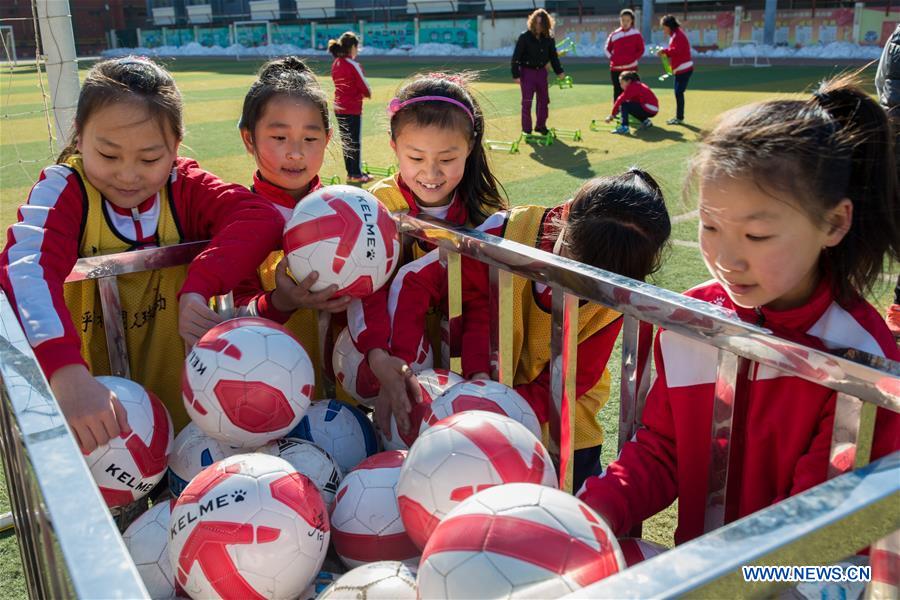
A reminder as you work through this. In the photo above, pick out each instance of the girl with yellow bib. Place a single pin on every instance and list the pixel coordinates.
(120, 186)
(617, 223)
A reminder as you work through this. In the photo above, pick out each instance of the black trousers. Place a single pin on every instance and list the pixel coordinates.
(681, 83)
(617, 87)
(350, 127)
(586, 462)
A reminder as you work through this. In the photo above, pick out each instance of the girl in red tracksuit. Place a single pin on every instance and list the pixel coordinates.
(798, 207)
(637, 100)
(119, 186)
(679, 53)
(624, 48)
(617, 223)
(350, 88)
(285, 126)
(437, 133)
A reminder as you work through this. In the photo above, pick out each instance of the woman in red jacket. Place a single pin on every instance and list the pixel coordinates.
(350, 87)
(624, 48)
(679, 53)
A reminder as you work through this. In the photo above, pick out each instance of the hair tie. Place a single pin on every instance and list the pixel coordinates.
(396, 105)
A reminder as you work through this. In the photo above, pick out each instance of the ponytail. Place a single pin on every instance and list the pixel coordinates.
(340, 48)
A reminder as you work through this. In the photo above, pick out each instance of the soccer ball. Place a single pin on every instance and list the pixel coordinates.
(432, 383)
(249, 526)
(637, 550)
(461, 455)
(481, 394)
(518, 540)
(194, 451)
(127, 467)
(311, 461)
(354, 374)
(147, 540)
(342, 431)
(352, 370)
(247, 382)
(365, 519)
(347, 236)
(383, 580)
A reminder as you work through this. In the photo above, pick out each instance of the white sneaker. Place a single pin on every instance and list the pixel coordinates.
(674, 121)
(646, 124)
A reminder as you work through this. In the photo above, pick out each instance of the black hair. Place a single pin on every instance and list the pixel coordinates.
(341, 47)
(129, 79)
(838, 143)
(629, 76)
(288, 76)
(479, 189)
(618, 223)
(671, 22)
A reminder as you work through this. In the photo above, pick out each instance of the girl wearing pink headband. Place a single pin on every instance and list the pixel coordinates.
(437, 130)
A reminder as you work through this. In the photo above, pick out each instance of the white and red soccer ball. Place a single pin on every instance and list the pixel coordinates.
(249, 526)
(192, 452)
(461, 455)
(432, 383)
(339, 429)
(365, 519)
(147, 540)
(383, 580)
(354, 374)
(487, 395)
(129, 466)
(518, 541)
(247, 382)
(347, 236)
(311, 461)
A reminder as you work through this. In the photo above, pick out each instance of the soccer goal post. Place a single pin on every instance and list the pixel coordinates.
(57, 45)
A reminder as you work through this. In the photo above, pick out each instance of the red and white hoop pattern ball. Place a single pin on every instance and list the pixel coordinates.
(432, 383)
(365, 518)
(347, 236)
(518, 541)
(247, 382)
(461, 455)
(129, 466)
(482, 394)
(250, 526)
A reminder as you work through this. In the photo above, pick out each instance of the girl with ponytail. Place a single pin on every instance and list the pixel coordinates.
(617, 223)
(350, 88)
(798, 210)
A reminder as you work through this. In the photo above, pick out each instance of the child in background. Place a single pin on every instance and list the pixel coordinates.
(679, 53)
(637, 99)
(350, 88)
(617, 223)
(798, 208)
(285, 126)
(624, 48)
(119, 186)
(437, 130)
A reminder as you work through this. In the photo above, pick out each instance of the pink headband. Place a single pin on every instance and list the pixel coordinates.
(395, 105)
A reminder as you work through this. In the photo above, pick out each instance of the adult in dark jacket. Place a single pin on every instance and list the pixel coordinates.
(887, 85)
(534, 49)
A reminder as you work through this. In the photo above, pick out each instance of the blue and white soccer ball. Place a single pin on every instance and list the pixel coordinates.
(339, 429)
(194, 451)
(309, 460)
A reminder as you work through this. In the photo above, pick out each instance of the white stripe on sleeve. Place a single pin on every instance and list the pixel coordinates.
(26, 275)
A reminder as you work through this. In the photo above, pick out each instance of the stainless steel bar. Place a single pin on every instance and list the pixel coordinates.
(454, 307)
(563, 358)
(502, 326)
(854, 372)
(851, 438)
(720, 447)
(628, 394)
(86, 537)
(114, 327)
(815, 527)
(225, 305)
(96, 267)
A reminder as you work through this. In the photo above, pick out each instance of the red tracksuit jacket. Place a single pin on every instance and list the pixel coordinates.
(640, 92)
(679, 53)
(624, 47)
(350, 86)
(789, 420)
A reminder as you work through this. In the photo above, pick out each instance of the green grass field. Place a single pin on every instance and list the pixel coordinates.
(213, 91)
